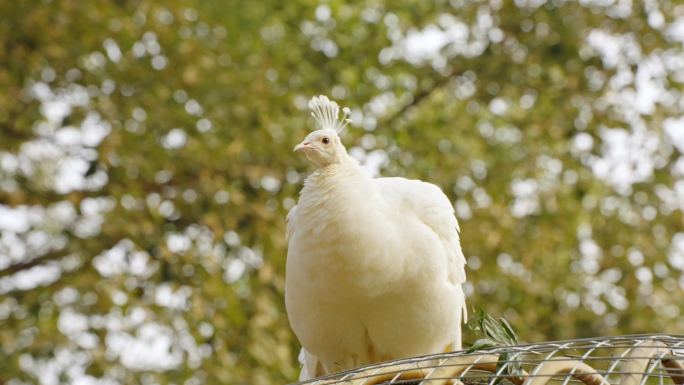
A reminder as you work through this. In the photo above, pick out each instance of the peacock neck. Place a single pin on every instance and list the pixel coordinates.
(337, 181)
(346, 165)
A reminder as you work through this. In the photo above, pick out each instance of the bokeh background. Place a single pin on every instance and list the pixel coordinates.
(146, 169)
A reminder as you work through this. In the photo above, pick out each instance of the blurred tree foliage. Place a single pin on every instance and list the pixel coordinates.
(146, 168)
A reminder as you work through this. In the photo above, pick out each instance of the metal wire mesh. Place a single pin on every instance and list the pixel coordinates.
(625, 360)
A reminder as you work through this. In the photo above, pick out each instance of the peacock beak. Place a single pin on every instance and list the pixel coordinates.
(303, 146)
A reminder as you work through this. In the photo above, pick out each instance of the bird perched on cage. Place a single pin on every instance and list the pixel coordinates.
(374, 266)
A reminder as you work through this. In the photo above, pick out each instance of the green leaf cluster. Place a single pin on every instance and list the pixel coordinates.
(495, 333)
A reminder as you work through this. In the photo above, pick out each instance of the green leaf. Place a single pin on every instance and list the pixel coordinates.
(476, 318)
(482, 344)
(509, 331)
(496, 333)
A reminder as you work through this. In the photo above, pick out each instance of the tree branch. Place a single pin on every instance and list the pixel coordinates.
(13, 269)
(419, 97)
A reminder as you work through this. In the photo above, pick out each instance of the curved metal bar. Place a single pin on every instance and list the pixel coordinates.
(560, 365)
(447, 371)
(675, 368)
(398, 375)
(377, 375)
(585, 355)
(637, 363)
(612, 366)
(675, 365)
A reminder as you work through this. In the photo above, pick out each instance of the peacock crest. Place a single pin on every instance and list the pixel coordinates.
(325, 111)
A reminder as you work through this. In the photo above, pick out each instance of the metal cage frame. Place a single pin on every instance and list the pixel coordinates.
(645, 359)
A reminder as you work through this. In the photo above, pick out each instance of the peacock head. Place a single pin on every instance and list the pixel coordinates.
(324, 146)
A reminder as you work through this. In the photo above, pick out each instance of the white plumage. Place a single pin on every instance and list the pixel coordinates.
(374, 266)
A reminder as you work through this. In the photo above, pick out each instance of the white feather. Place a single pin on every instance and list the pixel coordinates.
(311, 367)
(325, 111)
(374, 269)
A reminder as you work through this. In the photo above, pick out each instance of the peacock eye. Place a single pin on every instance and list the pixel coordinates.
(326, 140)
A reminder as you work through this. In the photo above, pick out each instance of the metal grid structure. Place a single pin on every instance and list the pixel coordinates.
(624, 360)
